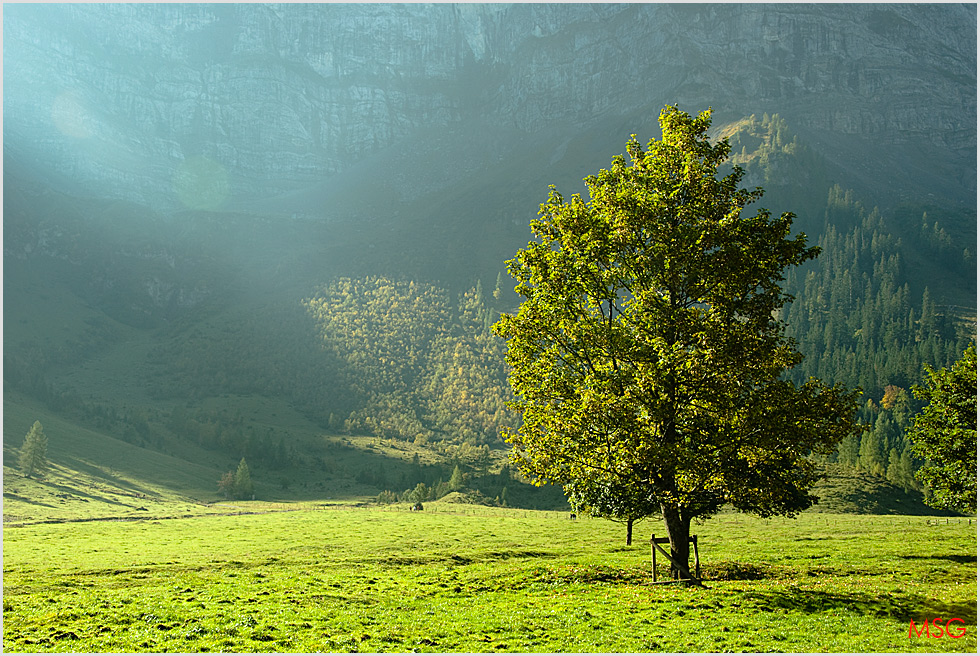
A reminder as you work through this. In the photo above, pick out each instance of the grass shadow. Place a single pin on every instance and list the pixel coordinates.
(816, 601)
(588, 575)
(962, 559)
(963, 610)
(97, 472)
(889, 606)
(72, 491)
(728, 570)
(33, 502)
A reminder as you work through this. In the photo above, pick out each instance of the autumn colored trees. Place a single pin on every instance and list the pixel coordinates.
(415, 365)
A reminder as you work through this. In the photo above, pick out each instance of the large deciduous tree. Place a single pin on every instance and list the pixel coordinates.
(646, 355)
(945, 433)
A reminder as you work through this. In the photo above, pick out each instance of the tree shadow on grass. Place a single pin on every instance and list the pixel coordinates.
(962, 559)
(70, 492)
(97, 472)
(33, 502)
(897, 607)
(900, 607)
(728, 570)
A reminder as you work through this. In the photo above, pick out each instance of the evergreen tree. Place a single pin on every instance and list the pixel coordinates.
(498, 288)
(849, 450)
(34, 454)
(907, 469)
(871, 458)
(243, 482)
(456, 480)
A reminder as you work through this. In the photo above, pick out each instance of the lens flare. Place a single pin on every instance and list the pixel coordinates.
(70, 115)
(201, 183)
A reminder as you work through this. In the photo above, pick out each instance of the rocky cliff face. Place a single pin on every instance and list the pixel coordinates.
(227, 106)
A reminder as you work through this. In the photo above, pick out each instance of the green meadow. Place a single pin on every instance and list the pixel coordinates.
(308, 577)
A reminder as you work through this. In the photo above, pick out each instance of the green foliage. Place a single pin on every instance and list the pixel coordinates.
(856, 316)
(894, 289)
(861, 318)
(645, 353)
(243, 481)
(456, 480)
(945, 433)
(237, 485)
(415, 366)
(33, 458)
(420, 493)
(613, 499)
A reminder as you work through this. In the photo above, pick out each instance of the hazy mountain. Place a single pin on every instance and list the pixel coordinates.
(314, 109)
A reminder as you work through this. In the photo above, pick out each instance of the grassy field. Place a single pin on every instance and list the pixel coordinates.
(459, 578)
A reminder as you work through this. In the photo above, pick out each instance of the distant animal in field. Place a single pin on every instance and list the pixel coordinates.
(417, 506)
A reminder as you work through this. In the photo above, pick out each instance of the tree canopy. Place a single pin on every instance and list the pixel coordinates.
(237, 485)
(945, 433)
(646, 353)
(33, 459)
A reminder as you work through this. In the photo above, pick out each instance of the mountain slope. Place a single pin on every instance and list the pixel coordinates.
(263, 100)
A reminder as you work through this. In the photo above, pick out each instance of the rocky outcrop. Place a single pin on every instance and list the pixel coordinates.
(212, 106)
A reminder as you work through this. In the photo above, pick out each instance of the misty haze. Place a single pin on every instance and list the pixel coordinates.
(301, 353)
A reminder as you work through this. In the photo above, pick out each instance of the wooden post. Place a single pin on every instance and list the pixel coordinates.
(655, 543)
(697, 559)
(653, 548)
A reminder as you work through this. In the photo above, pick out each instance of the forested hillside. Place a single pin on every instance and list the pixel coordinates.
(891, 291)
(411, 360)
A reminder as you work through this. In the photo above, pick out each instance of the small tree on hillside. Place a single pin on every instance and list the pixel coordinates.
(419, 494)
(646, 355)
(33, 459)
(227, 485)
(243, 482)
(945, 433)
(456, 480)
(237, 484)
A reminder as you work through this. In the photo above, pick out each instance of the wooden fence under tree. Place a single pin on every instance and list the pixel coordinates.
(656, 542)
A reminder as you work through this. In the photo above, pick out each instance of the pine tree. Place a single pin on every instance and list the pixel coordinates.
(456, 480)
(872, 458)
(243, 482)
(33, 455)
(849, 450)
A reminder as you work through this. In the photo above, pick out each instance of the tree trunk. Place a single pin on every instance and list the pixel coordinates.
(679, 533)
(629, 532)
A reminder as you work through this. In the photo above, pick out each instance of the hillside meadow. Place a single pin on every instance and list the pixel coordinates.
(308, 577)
